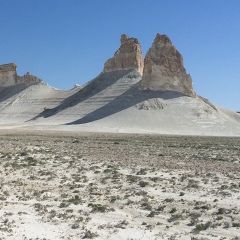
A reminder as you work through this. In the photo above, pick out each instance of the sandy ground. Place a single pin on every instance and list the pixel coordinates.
(118, 186)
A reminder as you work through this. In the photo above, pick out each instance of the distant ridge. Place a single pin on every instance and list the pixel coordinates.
(129, 96)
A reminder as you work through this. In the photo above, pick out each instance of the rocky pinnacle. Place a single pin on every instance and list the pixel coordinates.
(128, 56)
(163, 68)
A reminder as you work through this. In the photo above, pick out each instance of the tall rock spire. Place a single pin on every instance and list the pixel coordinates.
(128, 56)
(163, 68)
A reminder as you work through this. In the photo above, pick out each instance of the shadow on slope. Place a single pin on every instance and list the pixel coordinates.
(98, 84)
(131, 97)
(10, 91)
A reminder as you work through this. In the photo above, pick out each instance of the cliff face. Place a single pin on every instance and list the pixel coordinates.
(9, 77)
(163, 68)
(128, 56)
(8, 74)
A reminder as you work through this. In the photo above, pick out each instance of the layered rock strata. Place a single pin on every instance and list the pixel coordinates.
(164, 70)
(128, 56)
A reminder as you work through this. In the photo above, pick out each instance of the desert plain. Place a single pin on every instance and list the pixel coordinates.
(60, 185)
(96, 161)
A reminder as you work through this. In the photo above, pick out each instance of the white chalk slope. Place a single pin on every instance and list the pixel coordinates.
(112, 102)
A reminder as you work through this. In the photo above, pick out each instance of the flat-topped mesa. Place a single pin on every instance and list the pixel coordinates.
(128, 56)
(9, 77)
(164, 70)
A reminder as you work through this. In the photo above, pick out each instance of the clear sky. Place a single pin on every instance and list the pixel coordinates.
(67, 41)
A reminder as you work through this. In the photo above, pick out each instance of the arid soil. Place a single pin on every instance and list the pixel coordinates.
(118, 186)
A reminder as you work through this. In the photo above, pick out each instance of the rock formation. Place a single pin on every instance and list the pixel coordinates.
(128, 56)
(9, 77)
(8, 74)
(164, 70)
(28, 78)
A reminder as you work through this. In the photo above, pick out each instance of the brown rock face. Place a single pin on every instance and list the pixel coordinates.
(28, 78)
(128, 56)
(9, 77)
(8, 74)
(163, 68)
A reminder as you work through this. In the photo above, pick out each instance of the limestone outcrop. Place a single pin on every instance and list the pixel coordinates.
(128, 56)
(28, 78)
(8, 74)
(164, 70)
(9, 77)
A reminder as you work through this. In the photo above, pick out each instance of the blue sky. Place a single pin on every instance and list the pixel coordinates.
(67, 41)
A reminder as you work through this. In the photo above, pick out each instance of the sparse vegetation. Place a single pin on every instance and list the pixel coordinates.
(201, 227)
(150, 184)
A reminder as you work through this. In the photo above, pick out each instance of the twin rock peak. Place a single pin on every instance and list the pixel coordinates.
(162, 69)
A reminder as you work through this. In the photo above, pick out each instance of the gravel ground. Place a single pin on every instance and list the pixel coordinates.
(118, 186)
